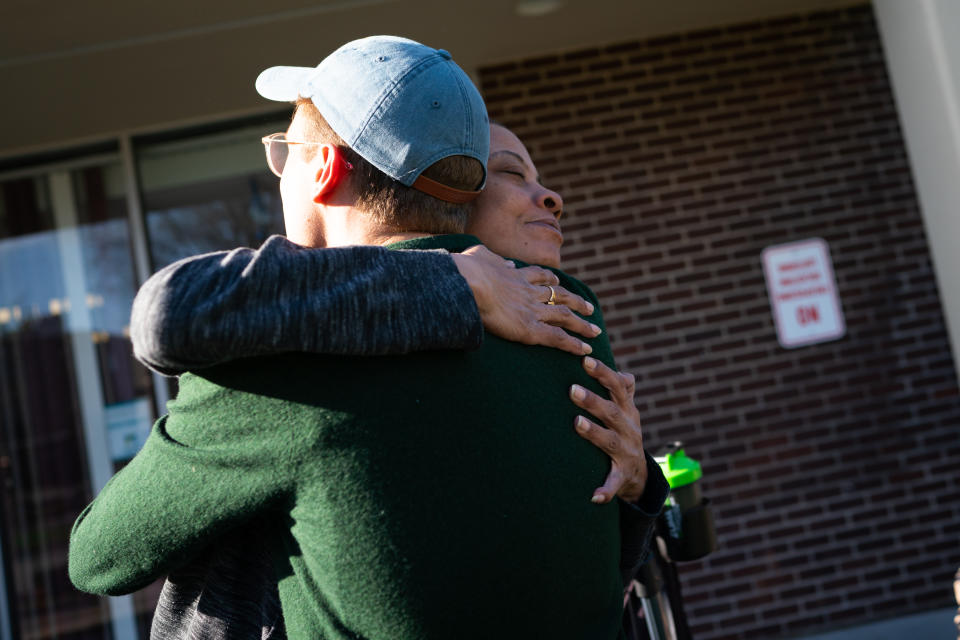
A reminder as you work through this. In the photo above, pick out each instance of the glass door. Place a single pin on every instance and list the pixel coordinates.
(74, 404)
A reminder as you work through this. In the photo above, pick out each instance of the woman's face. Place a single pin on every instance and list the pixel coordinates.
(516, 216)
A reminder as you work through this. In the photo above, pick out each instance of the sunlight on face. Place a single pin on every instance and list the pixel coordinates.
(517, 216)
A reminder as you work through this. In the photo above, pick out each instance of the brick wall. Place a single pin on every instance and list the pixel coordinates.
(831, 466)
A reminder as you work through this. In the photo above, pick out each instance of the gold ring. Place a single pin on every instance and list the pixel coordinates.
(553, 295)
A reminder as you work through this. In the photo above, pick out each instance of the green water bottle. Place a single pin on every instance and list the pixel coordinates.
(686, 525)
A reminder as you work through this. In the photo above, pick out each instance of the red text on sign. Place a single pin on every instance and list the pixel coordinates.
(807, 315)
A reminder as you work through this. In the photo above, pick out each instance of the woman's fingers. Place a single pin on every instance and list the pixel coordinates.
(620, 436)
(571, 300)
(540, 276)
(513, 303)
(559, 316)
(608, 442)
(603, 410)
(611, 487)
(629, 383)
(550, 288)
(620, 385)
(551, 336)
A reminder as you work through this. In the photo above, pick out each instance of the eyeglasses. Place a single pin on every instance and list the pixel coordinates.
(275, 146)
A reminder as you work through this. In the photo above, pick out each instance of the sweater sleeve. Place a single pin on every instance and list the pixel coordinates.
(638, 520)
(222, 306)
(203, 470)
(229, 590)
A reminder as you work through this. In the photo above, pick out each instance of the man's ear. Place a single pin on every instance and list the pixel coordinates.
(332, 169)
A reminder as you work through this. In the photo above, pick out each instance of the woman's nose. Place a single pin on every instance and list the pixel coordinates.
(551, 201)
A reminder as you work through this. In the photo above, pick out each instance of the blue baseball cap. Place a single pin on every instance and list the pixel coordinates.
(399, 104)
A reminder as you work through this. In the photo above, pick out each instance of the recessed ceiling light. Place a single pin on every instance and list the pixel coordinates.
(537, 8)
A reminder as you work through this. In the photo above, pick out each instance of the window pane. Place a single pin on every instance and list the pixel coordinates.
(69, 388)
(209, 193)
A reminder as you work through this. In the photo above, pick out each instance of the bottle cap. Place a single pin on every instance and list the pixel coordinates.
(679, 469)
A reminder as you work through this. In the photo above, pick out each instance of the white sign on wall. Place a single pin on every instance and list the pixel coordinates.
(128, 425)
(803, 293)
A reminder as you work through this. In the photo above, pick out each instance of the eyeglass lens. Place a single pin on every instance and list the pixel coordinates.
(277, 155)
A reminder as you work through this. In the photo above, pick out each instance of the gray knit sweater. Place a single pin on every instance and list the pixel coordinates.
(362, 300)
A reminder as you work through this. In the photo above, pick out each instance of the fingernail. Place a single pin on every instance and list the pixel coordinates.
(585, 348)
(597, 499)
(578, 392)
(581, 424)
(590, 363)
(589, 308)
(596, 329)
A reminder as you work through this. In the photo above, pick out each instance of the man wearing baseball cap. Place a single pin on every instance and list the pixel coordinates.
(433, 495)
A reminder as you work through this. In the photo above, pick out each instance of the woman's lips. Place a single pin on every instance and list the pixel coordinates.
(548, 224)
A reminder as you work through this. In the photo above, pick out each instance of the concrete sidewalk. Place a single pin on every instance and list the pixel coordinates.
(930, 625)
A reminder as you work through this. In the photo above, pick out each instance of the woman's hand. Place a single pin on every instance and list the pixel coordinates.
(515, 304)
(620, 437)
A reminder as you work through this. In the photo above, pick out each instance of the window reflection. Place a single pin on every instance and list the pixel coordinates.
(209, 193)
(66, 372)
(74, 404)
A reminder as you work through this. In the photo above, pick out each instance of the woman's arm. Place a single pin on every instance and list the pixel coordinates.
(222, 306)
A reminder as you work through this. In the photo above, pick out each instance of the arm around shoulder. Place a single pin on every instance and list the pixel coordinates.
(223, 306)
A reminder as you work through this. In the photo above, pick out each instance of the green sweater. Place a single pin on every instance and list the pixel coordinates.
(431, 495)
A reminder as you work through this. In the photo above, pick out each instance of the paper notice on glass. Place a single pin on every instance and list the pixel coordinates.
(128, 425)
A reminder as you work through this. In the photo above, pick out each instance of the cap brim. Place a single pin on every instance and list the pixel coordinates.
(282, 83)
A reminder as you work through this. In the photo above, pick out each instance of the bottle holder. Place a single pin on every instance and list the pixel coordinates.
(689, 534)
